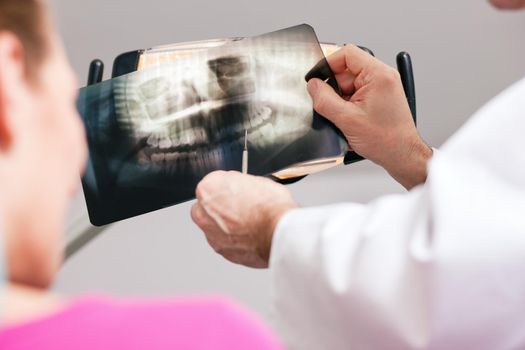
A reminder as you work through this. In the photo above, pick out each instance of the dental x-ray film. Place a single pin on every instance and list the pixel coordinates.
(155, 133)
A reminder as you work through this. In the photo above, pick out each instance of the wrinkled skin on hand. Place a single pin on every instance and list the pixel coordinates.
(373, 114)
(238, 214)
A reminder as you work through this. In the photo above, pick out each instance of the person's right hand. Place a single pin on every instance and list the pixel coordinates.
(373, 114)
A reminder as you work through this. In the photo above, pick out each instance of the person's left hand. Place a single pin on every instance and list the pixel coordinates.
(238, 214)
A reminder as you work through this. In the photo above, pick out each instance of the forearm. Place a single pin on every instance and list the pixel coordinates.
(410, 170)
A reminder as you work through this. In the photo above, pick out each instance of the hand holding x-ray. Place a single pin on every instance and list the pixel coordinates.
(373, 114)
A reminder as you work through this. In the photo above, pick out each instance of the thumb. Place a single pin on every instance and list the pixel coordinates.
(328, 103)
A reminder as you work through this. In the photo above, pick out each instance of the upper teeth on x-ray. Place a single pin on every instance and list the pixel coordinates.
(154, 134)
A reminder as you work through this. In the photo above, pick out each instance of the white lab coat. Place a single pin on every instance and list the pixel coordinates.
(441, 267)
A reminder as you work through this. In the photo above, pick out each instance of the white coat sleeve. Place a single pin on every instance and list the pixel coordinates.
(442, 267)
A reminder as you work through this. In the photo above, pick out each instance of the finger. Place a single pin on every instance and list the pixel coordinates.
(329, 104)
(198, 215)
(345, 81)
(201, 218)
(210, 185)
(350, 58)
(215, 237)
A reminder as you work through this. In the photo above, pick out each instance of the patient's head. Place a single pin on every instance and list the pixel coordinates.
(42, 147)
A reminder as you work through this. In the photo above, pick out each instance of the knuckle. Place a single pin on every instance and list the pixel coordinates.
(199, 189)
(209, 183)
(198, 217)
(349, 48)
(204, 190)
(390, 76)
(194, 215)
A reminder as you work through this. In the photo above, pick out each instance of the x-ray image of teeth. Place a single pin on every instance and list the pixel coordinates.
(154, 134)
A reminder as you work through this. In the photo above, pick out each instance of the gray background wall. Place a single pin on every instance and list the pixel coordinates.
(464, 52)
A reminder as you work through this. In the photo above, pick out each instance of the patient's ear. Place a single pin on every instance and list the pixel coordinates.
(13, 83)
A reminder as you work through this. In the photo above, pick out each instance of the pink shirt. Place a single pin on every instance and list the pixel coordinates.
(105, 323)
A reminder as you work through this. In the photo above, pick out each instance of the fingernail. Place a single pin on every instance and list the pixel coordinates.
(313, 86)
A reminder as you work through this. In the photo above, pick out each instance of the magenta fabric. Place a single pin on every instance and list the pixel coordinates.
(96, 322)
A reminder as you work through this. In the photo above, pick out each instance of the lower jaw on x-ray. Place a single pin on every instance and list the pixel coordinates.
(154, 134)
